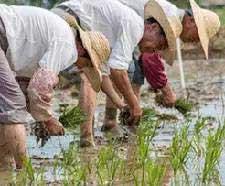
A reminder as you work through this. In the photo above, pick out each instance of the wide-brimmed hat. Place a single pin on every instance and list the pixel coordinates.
(170, 24)
(98, 49)
(208, 24)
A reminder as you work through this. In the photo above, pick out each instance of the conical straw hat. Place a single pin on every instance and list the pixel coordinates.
(208, 25)
(98, 49)
(170, 24)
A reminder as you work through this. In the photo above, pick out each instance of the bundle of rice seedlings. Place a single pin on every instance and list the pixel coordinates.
(124, 116)
(72, 117)
(147, 114)
(182, 105)
(41, 132)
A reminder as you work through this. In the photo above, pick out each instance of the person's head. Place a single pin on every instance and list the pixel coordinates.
(93, 50)
(200, 24)
(190, 29)
(83, 56)
(154, 37)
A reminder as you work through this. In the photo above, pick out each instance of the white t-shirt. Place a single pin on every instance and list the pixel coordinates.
(121, 25)
(37, 38)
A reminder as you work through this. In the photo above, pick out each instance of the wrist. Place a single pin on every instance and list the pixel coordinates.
(48, 121)
(166, 90)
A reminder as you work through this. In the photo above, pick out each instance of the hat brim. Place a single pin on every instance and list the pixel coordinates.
(202, 32)
(93, 73)
(153, 9)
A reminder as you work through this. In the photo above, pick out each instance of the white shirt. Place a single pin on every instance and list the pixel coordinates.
(137, 5)
(37, 38)
(120, 24)
(171, 9)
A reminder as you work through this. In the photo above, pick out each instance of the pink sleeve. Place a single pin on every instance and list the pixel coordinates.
(154, 70)
(40, 93)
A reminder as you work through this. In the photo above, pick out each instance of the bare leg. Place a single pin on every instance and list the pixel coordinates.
(87, 104)
(12, 145)
(110, 115)
(12, 131)
(110, 120)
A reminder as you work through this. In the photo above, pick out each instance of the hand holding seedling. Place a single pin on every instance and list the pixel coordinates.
(169, 96)
(126, 117)
(182, 105)
(43, 130)
(54, 127)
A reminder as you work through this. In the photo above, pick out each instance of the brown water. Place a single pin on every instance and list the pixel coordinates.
(205, 83)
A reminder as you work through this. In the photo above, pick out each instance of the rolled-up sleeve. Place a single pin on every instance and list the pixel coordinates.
(41, 87)
(129, 35)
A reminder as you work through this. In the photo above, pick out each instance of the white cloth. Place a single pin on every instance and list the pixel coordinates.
(121, 25)
(171, 9)
(37, 38)
(137, 5)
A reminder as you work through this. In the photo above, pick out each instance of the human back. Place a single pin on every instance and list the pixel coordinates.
(105, 16)
(31, 32)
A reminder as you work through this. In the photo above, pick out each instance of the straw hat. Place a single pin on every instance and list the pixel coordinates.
(170, 24)
(98, 49)
(208, 25)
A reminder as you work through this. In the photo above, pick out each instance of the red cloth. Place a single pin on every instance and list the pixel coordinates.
(154, 70)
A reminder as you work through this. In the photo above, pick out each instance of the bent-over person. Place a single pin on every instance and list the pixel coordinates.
(35, 46)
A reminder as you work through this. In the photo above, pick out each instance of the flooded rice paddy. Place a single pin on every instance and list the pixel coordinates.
(188, 151)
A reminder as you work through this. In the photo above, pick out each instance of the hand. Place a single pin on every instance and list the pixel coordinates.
(169, 97)
(135, 116)
(54, 127)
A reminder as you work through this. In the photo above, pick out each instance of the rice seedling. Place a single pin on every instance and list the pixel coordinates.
(148, 172)
(198, 137)
(179, 149)
(155, 173)
(149, 123)
(213, 152)
(72, 117)
(108, 165)
(29, 175)
(71, 168)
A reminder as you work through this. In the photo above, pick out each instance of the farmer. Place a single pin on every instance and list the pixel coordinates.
(197, 25)
(124, 29)
(35, 46)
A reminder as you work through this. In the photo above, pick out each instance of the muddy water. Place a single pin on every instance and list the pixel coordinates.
(205, 83)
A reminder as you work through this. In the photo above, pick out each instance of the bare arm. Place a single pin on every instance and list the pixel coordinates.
(40, 93)
(121, 80)
(137, 90)
(108, 89)
(169, 96)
